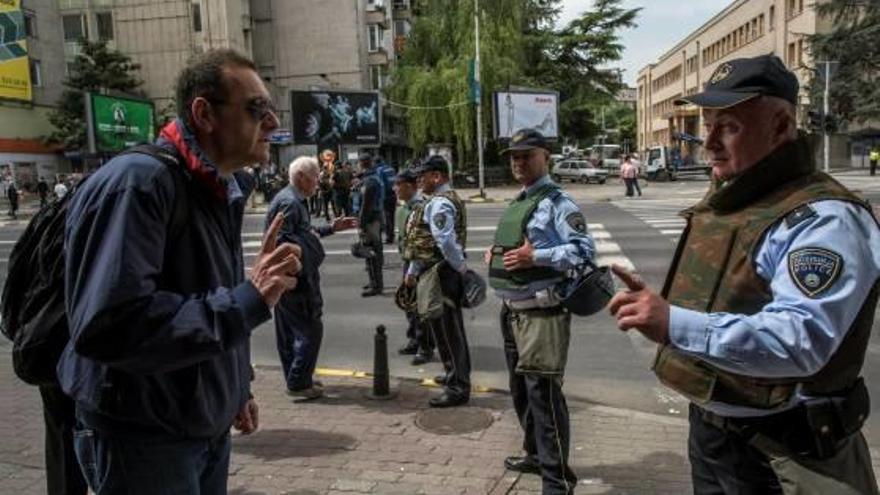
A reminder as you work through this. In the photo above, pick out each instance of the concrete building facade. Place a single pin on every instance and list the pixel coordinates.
(334, 45)
(746, 28)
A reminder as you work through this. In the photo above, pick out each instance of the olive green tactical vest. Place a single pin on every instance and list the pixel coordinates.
(420, 244)
(511, 234)
(402, 221)
(713, 271)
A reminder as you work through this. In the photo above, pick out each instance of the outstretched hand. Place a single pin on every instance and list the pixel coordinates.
(640, 308)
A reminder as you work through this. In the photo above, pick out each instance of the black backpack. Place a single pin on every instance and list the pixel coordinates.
(32, 307)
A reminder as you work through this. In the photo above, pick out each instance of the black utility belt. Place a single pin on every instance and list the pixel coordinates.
(814, 428)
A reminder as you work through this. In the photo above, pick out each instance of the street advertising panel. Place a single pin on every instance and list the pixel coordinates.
(118, 123)
(15, 74)
(331, 118)
(515, 110)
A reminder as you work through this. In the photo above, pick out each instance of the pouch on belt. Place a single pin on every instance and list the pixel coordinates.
(542, 337)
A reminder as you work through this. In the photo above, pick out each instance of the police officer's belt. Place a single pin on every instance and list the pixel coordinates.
(548, 302)
(814, 428)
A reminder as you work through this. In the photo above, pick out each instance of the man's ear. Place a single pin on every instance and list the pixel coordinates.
(203, 116)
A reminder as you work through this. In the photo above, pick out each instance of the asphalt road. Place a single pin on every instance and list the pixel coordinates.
(605, 365)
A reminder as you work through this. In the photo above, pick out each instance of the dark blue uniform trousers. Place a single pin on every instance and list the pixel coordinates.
(543, 415)
(298, 337)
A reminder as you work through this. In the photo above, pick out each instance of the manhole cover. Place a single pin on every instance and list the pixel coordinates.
(455, 421)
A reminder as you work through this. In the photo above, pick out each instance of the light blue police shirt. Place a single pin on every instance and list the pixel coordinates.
(439, 214)
(558, 244)
(794, 335)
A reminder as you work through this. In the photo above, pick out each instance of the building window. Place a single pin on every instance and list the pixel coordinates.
(30, 23)
(36, 73)
(197, 17)
(401, 27)
(104, 21)
(69, 68)
(74, 27)
(374, 37)
(377, 77)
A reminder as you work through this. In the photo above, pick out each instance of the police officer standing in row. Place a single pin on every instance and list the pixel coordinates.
(766, 312)
(436, 248)
(419, 342)
(541, 235)
(371, 216)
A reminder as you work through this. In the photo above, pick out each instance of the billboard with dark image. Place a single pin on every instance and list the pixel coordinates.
(331, 118)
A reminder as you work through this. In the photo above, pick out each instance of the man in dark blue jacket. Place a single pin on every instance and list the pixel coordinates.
(372, 217)
(158, 361)
(298, 325)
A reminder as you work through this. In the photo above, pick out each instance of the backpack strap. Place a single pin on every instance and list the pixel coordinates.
(181, 177)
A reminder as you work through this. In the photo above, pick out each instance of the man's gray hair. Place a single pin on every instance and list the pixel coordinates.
(302, 164)
(774, 104)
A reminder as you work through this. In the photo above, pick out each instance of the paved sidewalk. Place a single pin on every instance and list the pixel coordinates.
(346, 443)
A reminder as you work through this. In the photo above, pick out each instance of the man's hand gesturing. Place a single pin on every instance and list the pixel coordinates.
(276, 267)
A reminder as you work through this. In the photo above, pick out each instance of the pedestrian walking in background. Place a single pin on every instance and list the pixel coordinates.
(43, 192)
(629, 172)
(371, 217)
(874, 158)
(12, 197)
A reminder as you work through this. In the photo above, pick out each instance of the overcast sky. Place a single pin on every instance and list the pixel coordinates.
(661, 24)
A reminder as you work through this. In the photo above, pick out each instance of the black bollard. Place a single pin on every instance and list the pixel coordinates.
(381, 376)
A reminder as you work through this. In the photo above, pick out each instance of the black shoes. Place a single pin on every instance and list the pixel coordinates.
(372, 291)
(440, 379)
(420, 359)
(522, 464)
(409, 349)
(448, 400)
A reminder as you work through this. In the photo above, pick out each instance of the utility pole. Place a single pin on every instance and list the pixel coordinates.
(478, 97)
(826, 108)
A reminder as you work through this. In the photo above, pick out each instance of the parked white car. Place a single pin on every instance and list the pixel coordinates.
(578, 171)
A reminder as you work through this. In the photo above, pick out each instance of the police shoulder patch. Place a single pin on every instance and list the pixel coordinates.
(439, 220)
(576, 221)
(814, 270)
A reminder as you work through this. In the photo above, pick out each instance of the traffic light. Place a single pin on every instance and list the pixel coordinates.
(816, 120)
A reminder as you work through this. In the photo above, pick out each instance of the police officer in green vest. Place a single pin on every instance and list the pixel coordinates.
(419, 343)
(766, 313)
(541, 235)
(435, 247)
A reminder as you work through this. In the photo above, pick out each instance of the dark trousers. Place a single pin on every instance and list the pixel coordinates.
(724, 463)
(342, 203)
(543, 415)
(449, 335)
(873, 167)
(113, 465)
(417, 331)
(298, 337)
(371, 235)
(63, 475)
(390, 206)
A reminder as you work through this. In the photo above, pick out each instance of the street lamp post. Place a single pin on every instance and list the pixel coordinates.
(478, 97)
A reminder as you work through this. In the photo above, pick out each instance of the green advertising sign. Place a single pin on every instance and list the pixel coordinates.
(119, 123)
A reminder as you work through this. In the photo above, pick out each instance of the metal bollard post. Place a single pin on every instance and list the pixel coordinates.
(381, 376)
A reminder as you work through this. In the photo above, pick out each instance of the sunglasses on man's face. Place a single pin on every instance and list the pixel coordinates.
(259, 107)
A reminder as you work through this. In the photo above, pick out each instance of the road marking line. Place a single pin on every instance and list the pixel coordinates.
(671, 231)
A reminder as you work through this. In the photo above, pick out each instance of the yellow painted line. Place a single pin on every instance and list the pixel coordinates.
(334, 372)
(425, 382)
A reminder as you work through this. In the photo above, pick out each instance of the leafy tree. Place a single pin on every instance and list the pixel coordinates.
(96, 69)
(853, 43)
(519, 47)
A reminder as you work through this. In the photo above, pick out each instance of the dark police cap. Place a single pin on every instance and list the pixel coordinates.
(406, 175)
(742, 79)
(526, 139)
(433, 163)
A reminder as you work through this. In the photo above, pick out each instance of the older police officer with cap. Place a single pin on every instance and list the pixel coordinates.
(766, 313)
(541, 235)
(435, 246)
